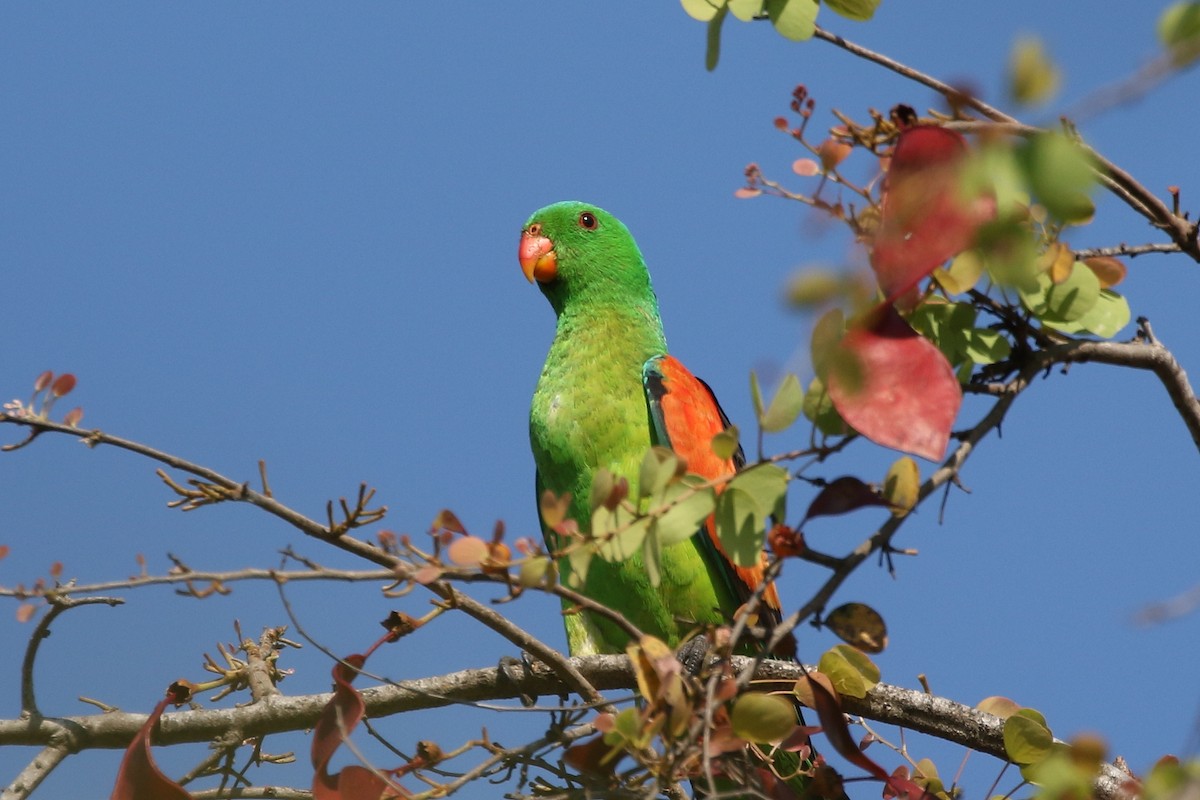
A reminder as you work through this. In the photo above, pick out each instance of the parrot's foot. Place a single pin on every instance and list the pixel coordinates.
(693, 654)
(514, 671)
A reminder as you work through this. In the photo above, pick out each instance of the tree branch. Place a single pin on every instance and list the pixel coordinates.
(914, 710)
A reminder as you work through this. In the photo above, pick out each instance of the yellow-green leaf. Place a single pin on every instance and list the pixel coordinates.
(785, 406)
(794, 19)
(857, 10)
(688, 507)
(725, 444)
(702, 10)
(1032, 76)
(819, 409)
(758, 717)
(1179, 31)
(658, 468)
(1060, 174)
(745, 10)
(901, 485)
(814, 286)
(1027, 740)
(962, 274)
(850, 671)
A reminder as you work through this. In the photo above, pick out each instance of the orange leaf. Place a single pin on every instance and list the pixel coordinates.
(1110, 271)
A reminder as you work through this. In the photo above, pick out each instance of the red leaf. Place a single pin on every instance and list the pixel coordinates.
(63, 384)
(909, 395)
(338, 719)
(42, 381)
(833, 725)
(594, 757)
(925, 218)
(139, 777)
(841, 495)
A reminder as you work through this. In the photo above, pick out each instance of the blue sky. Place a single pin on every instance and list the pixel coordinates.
(258, 231)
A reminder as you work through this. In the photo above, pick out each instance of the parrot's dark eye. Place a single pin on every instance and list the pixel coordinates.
(587, 221)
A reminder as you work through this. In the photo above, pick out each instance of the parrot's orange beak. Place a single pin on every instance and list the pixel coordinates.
(538, 260)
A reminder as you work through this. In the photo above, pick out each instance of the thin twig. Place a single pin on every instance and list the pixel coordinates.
(58, 605)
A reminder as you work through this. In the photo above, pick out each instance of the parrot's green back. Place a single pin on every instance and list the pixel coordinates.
(590, 411)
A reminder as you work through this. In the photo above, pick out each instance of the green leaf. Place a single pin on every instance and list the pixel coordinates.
(857, 10)
(702, 10)
(1032, 76)
(814, 286)
(785, 406)
(1179, 31)
(745, 10)
(767, 484)
(743, 508)
(692, 505)
(1027, 740)
(602, 485)
(1060, 174)
(818, 408)
(827, 333)
(794, 19)
(658, 468)
(1105, 319)
(617, 534)
(945, 324)
(1009, 252)
(737, 529)
(759, 717)
(1066, 302)
(962, 274)
(851, 671)
(712, 51)
(986, 346)
(579, 559)
(756, 395)
(725, 444)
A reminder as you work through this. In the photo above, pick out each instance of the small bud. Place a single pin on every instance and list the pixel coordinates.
(43, 381)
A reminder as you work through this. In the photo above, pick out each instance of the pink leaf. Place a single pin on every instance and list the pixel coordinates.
(908, 396)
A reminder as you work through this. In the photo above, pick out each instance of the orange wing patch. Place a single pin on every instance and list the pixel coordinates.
(691, 417)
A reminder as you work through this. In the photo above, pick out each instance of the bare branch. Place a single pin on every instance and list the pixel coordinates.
(58, 605)
(35, 772)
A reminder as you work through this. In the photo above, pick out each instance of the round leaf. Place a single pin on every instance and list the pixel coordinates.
(794, 19)
(1027, 740)
(859, 625)
(759, 717)
(850, 671)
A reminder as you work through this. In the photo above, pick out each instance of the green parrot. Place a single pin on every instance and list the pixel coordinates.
(608, 391)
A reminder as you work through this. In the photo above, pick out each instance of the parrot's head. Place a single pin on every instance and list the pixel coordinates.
(575, 250)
